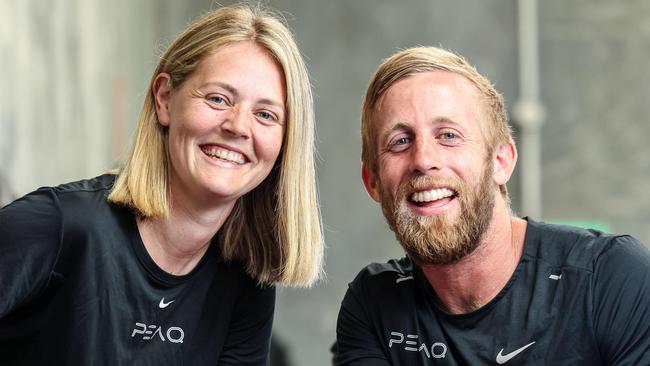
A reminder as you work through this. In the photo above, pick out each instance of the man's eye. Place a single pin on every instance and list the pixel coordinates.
(399, 144)
(449, 138)
(401, 141)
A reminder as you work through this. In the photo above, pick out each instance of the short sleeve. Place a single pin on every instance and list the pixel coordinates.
(356, 344)
(30, 237)
(621, 291)
(248, 340)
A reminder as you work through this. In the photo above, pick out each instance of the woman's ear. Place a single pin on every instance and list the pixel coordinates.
(370, 182)
(504, 161)
(161, 90)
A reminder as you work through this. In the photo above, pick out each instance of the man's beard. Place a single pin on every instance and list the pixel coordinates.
(436, 239)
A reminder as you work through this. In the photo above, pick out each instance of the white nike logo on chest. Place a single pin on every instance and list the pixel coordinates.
(164, 304)
(501, 358)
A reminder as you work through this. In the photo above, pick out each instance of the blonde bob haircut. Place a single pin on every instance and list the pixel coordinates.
(426, 59)
(275, 229)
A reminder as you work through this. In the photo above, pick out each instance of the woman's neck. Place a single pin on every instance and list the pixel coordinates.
(177, 243)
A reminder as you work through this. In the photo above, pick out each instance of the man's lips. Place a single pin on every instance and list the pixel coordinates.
(424, 198)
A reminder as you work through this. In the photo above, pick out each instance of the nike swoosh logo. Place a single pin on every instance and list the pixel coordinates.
(501, 359)
(401, 278)
(164, 304)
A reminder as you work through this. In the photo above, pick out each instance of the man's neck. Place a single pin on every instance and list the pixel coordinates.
(475, 280)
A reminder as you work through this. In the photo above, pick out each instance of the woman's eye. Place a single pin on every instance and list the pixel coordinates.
(217, 99)
(266, 115)
(448, 136)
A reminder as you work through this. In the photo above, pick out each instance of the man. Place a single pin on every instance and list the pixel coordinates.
(478, 286)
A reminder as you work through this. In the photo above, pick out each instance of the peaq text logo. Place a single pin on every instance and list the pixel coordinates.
(151, 332)
(411, 343)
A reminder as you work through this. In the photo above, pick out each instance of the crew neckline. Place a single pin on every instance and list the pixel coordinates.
(530, 244)
(157, 273)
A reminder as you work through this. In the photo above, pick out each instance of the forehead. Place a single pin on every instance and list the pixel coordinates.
(244, 62)
(430, 97)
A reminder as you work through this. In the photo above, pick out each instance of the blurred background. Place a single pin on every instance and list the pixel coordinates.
(575, 75)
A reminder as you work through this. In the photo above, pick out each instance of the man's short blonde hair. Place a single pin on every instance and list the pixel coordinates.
(426, 59)
(274, 230)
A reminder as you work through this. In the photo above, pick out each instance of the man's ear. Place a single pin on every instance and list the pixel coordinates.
(161, 90)
(370, 182)
(505, 159)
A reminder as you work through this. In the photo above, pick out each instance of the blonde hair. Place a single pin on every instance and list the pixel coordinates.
(275, 229)
(426, 59)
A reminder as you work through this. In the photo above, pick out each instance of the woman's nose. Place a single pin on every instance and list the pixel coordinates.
(237, 122)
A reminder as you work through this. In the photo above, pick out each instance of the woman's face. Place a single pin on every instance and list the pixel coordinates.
(226, 124)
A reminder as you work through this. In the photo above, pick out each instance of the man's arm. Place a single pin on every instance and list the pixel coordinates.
(621, 310)
(356, 344)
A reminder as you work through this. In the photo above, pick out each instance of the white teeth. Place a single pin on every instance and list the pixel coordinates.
(224, 154)
(432, 195)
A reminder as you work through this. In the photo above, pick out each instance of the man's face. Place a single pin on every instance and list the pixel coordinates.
(434, 175)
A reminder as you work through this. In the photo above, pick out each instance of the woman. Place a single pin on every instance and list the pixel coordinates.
(172, 261)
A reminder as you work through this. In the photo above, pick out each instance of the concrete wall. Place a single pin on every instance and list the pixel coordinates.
(596, 85)
(73, 79)
(344, 43)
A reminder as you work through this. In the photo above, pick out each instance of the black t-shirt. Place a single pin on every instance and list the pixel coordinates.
(577, 297)
(77, 287)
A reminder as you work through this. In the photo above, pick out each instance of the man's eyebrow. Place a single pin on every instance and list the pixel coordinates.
(405, 126)
(395, 127)
(445, 120)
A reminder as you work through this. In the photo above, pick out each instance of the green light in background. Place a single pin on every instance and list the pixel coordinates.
(586, 224)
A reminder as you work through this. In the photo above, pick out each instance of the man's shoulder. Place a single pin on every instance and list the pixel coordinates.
(578, 247)
(381, 276)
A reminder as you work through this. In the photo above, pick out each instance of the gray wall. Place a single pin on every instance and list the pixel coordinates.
(595, 86)
(344, 43)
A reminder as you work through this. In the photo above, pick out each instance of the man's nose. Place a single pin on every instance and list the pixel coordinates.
(424, 156)
(237, 122)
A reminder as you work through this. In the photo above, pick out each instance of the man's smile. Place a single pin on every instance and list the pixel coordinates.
(433, 197)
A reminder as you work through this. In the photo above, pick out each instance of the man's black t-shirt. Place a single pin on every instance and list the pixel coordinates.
(77, 287)
(577, 297)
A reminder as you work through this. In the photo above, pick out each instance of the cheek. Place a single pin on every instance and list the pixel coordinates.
(191, 117)
(268, 144)
(470, 166)
(392, 170)
(179, 133)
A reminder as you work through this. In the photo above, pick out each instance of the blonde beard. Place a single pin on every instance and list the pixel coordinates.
(438, 240)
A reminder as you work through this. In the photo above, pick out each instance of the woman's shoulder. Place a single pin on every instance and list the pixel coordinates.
(63, 209)
(53, 196)
(100, 185)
